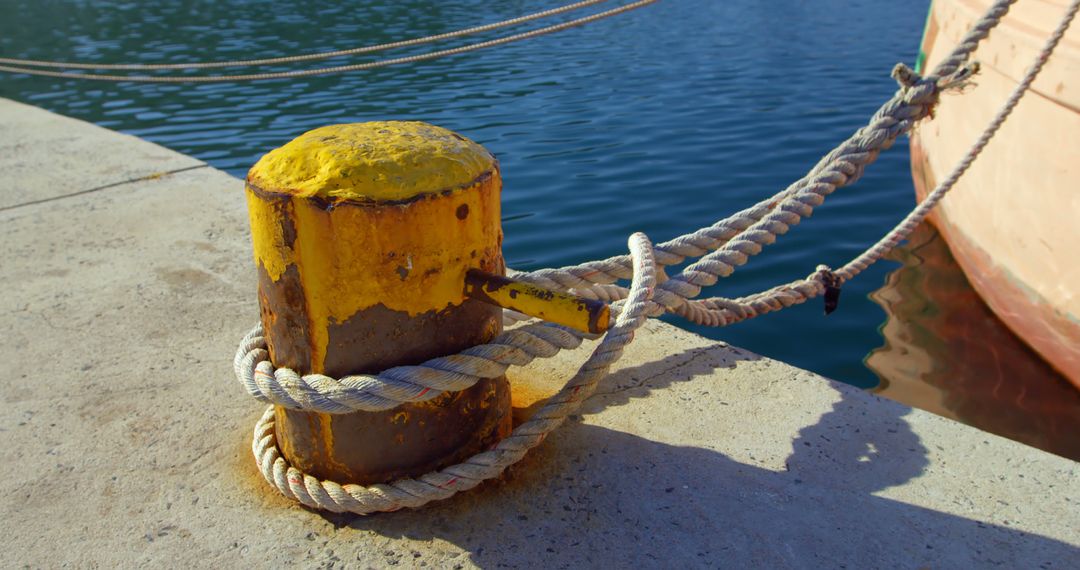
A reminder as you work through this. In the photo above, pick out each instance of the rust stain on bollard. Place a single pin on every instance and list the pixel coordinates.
(363, 235)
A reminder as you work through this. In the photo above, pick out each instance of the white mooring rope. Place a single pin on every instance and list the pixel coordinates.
(724, 245)
(444, 483)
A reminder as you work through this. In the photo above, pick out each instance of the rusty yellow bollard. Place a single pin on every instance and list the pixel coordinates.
(363, 235)
(585, 315)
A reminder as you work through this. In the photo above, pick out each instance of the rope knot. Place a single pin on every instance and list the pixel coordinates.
(960, 78)
(905, 76)
(916, 91)
(832, 283)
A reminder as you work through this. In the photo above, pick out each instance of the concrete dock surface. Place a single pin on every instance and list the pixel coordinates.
(129, 280)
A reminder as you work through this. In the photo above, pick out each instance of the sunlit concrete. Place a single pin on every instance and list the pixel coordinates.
(126, 442)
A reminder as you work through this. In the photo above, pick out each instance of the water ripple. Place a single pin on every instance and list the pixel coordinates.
(662, 120)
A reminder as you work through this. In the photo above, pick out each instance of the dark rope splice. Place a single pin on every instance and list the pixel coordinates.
(832, 290)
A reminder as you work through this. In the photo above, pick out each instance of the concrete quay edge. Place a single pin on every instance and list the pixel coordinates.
(129, 281)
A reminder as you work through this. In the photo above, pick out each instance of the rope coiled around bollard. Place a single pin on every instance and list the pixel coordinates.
(726, 244)
(633, 307)
(394, 386)
(446, 482)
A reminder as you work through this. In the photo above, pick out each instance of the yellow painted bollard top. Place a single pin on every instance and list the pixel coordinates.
(382, 161)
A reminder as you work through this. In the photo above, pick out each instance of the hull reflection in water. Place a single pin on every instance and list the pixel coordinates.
(947, 353)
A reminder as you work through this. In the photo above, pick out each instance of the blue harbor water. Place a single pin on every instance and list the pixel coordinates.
(662, 120)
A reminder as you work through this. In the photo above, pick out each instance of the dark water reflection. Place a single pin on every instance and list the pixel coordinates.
(946, 352)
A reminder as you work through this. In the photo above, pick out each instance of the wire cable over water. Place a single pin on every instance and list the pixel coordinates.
(304, 57)
(340, 68)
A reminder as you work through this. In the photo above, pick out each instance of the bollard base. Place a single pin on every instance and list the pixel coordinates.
(366, 448)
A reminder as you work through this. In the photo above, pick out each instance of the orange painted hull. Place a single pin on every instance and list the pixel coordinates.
(1013, 221)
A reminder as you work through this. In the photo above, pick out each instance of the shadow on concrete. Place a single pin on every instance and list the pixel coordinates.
(595, 496)
(635, 382)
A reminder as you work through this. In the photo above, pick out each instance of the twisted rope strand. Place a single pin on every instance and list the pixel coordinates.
(631, 313)
(916, 217)
(799, 291)
(389, 388)
(731, 242)
(394, 386)
(844, 165)
(437, 485)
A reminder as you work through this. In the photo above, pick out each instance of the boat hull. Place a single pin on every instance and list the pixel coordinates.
(1012, 220)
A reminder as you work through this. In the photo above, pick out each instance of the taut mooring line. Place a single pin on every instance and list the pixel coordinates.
(304, 57)
(324, 70)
